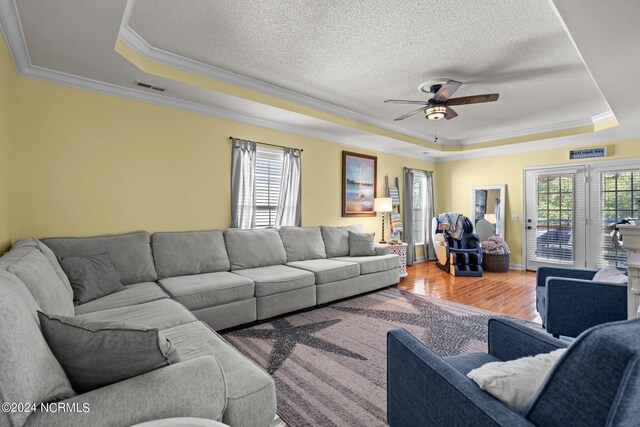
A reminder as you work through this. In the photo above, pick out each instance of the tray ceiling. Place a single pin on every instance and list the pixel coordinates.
(355, 54)
(344, 58)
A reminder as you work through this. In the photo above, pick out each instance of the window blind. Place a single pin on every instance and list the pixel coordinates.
(619, 191)
(268, 179)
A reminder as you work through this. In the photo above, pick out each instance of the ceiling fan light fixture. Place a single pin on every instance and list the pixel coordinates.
(436, 113)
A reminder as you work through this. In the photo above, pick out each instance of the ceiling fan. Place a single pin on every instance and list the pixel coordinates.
(439, 107)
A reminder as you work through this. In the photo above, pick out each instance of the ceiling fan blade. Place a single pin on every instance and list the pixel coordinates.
(404, 101)
(451, 114)
(447, 90)
(409, 114)
(475, 99)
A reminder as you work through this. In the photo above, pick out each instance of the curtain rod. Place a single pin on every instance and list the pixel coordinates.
(266, 143)
(419, 170)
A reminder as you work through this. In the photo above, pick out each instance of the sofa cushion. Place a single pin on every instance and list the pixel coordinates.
(96, 354)
(29, 372)
(251, 394)
(361, 244)
(130, 253)
(328, 270)
(336, 239)
(302, 244)
(208, 290)
(50, 256)
(137, 293)
(160, 314)
(91, 277)
(33, 269)
(189, 252)
(254, 248)
(373, 264)
(276, 279)
(15, 284)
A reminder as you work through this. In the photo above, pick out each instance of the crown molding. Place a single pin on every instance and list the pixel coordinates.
(148, 52)
(11, 28)
(136, 42)
(12, 31)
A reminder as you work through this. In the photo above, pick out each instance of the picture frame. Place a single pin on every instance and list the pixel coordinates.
(359, 184)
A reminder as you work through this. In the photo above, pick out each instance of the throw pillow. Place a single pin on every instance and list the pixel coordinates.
(610, 274)
(91, 277)
(336, 239)
(361, 244)
(95, 354)
(516, 382)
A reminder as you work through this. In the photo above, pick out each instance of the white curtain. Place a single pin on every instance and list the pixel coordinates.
(243, 181)
(289, 209)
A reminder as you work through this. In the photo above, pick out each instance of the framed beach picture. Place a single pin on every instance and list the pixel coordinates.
(358, 184)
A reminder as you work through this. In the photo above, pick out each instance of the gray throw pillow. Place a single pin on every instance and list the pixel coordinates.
(91, 277)
(95, 354)
(336, 239)
(302, 244)
(361, 244)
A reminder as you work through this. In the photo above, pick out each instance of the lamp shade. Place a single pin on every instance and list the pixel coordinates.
(490, 217)
(382, 204)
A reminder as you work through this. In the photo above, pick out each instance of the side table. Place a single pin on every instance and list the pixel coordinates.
(401, 251)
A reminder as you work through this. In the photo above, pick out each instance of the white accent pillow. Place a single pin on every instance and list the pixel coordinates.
(610, 274)
(515, 382)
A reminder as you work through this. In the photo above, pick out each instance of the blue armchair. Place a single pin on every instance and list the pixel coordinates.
(570, 302)
(596, 383)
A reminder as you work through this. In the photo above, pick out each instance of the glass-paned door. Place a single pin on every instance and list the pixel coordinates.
(555, 217)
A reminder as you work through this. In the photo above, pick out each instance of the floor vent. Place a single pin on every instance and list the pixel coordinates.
(148, 86)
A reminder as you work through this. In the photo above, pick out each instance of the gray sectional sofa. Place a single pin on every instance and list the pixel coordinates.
(185, 284)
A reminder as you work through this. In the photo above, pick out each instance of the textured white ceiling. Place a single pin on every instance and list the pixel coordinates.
(355, 54)
(76, 37)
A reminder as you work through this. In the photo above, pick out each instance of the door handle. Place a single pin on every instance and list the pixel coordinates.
(528, 227)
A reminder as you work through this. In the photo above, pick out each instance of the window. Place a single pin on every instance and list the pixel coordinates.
(268, 178)
(419, 208)
(619, 192)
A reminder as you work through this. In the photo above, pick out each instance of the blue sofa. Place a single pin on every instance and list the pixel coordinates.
(570, 302)
(596, 383)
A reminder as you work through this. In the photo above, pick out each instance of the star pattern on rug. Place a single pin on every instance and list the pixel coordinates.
(445, 333)
(287, 336)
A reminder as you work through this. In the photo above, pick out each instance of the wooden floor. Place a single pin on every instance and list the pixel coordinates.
(512, 293)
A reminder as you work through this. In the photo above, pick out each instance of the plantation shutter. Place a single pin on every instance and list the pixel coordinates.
(268, 179)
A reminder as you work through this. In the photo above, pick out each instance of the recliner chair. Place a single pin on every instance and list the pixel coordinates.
(458, 257)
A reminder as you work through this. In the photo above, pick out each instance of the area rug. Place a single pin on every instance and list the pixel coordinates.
(329, 364)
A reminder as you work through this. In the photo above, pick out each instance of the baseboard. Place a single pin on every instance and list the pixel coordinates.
(516, 267)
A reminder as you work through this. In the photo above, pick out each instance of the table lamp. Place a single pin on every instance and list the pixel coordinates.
(383, 205)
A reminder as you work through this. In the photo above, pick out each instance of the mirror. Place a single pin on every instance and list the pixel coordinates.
(488, 210)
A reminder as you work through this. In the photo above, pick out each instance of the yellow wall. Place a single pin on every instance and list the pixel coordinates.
(74, 162)
(457, 178)
(8, 119)
(92, 163)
